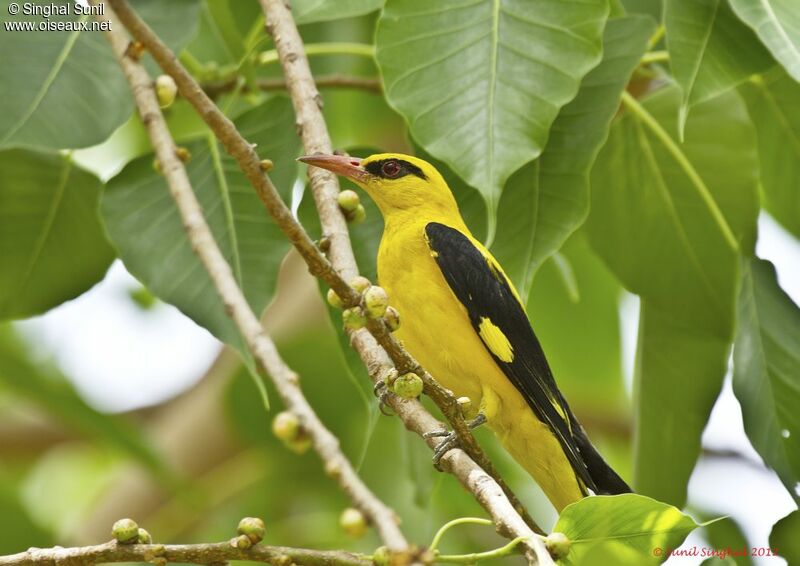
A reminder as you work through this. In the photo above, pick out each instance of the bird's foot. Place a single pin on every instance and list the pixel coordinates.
(381, 391)
(450, 438)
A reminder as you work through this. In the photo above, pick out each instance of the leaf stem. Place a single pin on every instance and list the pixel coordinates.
(477, 556)
(705, 194)
(657, 36)
(329, 48)
(654, 57)
(368, 84)
(460, 521)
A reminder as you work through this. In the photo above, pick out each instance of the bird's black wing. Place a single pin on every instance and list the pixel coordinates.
(486, 294)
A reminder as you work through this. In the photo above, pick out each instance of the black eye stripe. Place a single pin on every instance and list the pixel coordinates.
(406, 168)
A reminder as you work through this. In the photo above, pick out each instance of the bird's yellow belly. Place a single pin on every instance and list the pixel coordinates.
(435, 328)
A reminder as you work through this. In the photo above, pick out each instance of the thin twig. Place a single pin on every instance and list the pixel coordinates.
(369, 84)
(263, 349)
(206, 553)
(416, 418)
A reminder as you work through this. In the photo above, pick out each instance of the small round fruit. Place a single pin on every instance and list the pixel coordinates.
(183, 154)
(557, 544)
(382, 556)
(376, 301)
(360, 283)
(354, 318)
(253, 528)
(408, 386)
(334, 300)
(125, 531)
(348, 200)
(286, 426)
(242, 541)
(299, 445)
(358, 215)
(353, 522)
(392, 318)
(166, 89)
(143, 537)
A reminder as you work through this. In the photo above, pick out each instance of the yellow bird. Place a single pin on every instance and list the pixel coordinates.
(464, 322)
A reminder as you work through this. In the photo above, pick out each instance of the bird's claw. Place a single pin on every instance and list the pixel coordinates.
(436, 433)
(450, 441)
(450, 438)
(382, 393)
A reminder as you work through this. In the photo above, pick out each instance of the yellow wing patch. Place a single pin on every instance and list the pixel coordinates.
(495, 340)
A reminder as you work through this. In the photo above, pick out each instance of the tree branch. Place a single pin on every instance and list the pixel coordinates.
(207, 553)
(325, 187)
(263, 349)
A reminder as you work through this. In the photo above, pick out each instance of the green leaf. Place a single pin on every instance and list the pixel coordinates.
(670, 221)
(480, 83)
(52, 246)
(144, 224)
(68, 89)
(783, 538)
(710, 50)
(766, 369)
(545, 202)
(777, 23)
(46, 387)
(653, 8)
(573, 308)
(175, 22)
(226, 28)
(309, 11)
(637, 523)
(678, 376)
(773, 102)
(223, 27)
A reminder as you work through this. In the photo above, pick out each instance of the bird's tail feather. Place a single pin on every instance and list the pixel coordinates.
(606, 480)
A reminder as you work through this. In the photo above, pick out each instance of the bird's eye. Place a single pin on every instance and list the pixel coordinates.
(391, 169)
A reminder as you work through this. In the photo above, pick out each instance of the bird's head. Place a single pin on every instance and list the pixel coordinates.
(396, 182)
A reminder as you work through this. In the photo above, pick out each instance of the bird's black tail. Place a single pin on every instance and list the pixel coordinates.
(605, 478)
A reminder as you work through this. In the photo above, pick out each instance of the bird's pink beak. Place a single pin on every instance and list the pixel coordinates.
(349, 167)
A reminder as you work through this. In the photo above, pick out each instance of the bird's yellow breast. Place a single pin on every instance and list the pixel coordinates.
(435, 327)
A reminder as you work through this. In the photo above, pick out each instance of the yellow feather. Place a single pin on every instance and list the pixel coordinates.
(496, 340)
